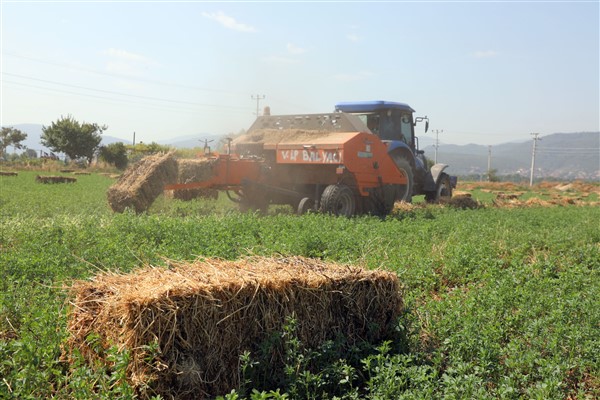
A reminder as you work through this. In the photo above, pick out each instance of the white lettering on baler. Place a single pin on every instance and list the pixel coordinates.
(318, 156)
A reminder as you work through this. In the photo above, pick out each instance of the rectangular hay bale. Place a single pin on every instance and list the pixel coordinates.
(142, 183)
(203, 315)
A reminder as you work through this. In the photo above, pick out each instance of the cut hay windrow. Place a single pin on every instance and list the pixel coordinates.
(55, 179)
(202, 316)
(142, 183)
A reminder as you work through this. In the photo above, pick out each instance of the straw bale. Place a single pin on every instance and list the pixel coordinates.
(190, 171)
(142, 183)
(203, 315)
(55, 179)
(194, 170)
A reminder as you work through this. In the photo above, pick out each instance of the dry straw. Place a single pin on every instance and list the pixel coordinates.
(190, 171)
(202, 316)
(142, 183)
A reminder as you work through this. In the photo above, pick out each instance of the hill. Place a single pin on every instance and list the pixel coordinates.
(560, 155)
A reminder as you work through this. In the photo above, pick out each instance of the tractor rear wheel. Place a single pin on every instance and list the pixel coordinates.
(338, 200)
(404, 191)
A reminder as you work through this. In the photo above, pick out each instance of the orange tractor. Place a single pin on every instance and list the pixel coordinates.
(359, 159)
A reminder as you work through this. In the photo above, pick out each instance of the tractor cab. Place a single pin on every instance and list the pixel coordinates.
(394, 123)
(391, 121)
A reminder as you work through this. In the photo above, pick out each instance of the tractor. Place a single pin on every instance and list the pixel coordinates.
(359, 159)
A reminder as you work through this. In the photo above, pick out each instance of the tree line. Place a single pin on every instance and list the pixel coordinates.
(79, 141)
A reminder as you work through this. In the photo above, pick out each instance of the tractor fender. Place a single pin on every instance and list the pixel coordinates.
(437, 170)
(399, 147)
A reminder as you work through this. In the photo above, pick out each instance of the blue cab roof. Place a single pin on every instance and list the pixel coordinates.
(371, 106)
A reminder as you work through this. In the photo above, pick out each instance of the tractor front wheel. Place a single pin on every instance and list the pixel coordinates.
(338, 200)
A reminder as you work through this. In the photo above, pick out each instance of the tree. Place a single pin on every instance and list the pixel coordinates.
(10, 136)
(75, 139)
(114, 154)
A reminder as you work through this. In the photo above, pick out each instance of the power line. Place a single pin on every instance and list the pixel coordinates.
(123, 76)
(118, 93)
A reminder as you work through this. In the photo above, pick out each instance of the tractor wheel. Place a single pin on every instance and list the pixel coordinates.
(405, 191)
(305, 205)
(443, 188)
(338, 200)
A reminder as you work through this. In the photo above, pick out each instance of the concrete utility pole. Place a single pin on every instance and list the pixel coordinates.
(489, 163)
(258, 98)
(437, 143)
(535, 139)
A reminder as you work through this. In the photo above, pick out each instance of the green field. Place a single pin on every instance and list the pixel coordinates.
(500, 302)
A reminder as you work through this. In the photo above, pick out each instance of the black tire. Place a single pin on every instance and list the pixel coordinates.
(306, 204)
(405, 192)
(443, 187)
(338, 200)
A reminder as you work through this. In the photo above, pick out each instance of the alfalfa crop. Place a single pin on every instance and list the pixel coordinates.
(142, 183)
(200, 317)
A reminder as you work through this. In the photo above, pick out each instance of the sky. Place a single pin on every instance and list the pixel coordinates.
(484, 72)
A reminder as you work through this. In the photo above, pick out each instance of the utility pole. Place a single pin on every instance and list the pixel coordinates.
(437, 143)
(258, 98)
(535, 139)
(489, 163)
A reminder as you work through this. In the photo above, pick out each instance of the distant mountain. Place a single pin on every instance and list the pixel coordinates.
(560, 155)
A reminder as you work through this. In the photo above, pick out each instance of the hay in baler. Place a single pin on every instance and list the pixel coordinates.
(202, 316)
(142, 183)
(190, 171)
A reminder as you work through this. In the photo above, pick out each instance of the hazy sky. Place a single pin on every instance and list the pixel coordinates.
(483, 72)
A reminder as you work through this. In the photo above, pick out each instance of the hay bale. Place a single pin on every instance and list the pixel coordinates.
(202, 316)
(194, 170)
(81, 173)
(55, 179)
(142, 183)
(190, 171)
(8, 173)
